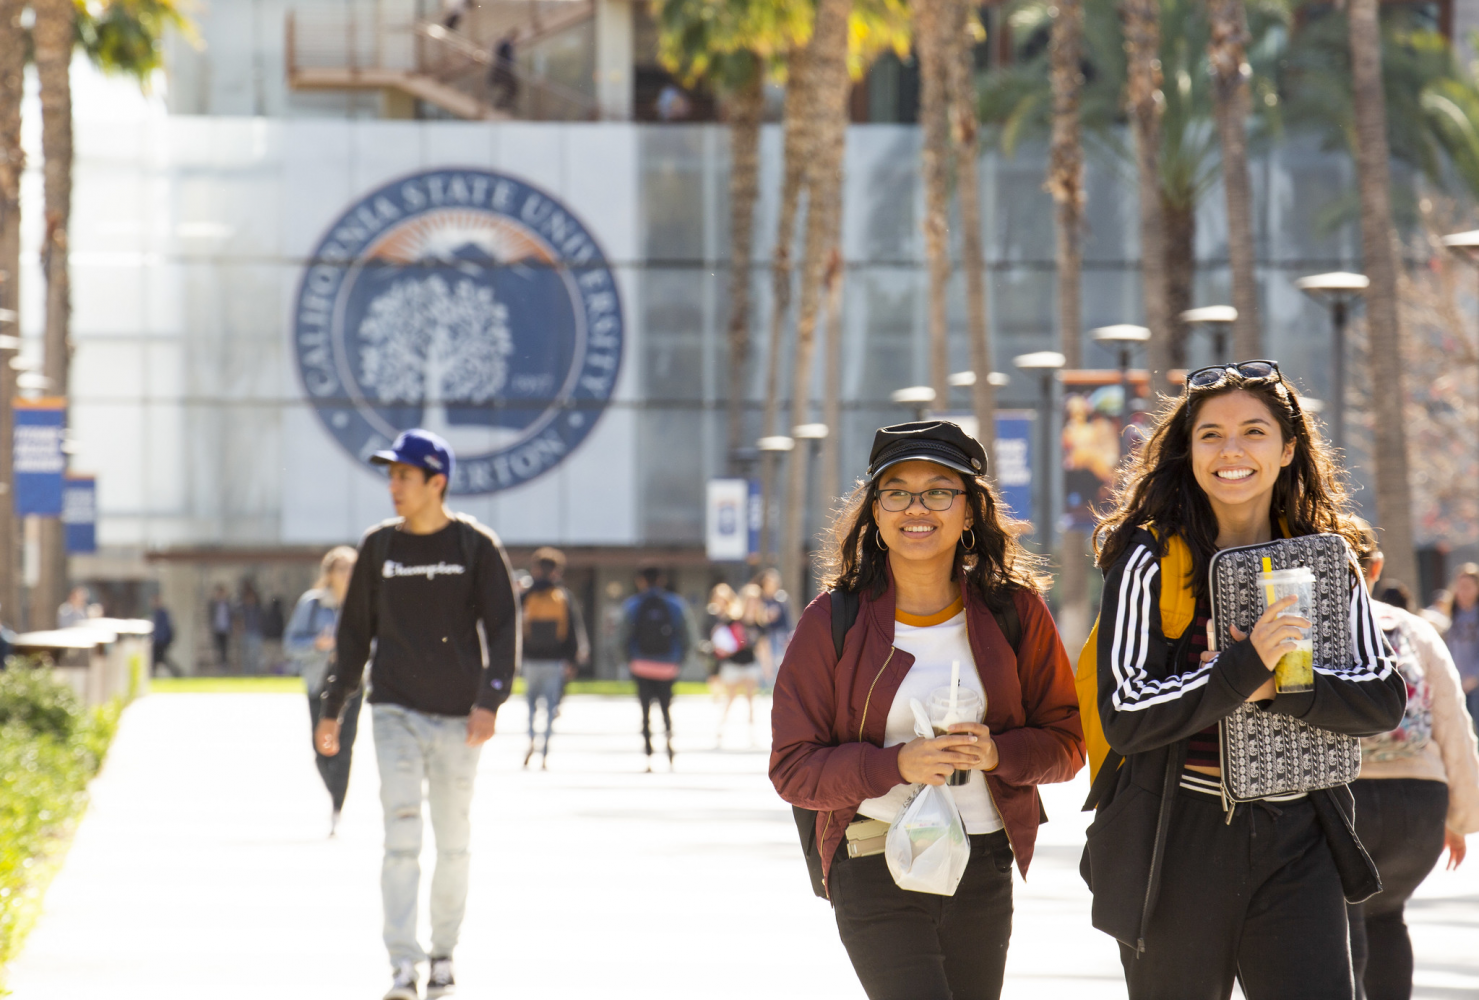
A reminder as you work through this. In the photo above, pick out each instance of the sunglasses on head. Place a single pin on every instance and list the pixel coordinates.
(1249, 371)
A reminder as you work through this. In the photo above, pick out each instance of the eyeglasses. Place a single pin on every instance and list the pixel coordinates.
(894, 501)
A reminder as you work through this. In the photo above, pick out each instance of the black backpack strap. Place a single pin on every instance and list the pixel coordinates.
(1104, 780)
(1010, 624)
(845, 605)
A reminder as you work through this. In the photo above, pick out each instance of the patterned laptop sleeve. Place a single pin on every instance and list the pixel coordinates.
(1265, 754)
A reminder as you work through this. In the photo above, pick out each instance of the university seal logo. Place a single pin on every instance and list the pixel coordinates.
(469, 303)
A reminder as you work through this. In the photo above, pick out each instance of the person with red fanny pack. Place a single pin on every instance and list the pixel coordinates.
(929, 567)
(656, 638)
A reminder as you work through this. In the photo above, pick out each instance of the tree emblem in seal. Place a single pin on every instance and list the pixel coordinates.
(467, 302)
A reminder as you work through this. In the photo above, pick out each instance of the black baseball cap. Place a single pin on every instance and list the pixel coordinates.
(423, 449)
(938, 441)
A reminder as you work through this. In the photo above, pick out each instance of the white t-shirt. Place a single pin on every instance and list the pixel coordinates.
(933, 647)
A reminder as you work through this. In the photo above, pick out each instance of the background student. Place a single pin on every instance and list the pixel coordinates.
(554, 643)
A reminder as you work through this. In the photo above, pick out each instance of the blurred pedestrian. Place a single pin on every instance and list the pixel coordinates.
(655, 641)
(777, 622)
(1417, 794)
(274, 626)
(309, 642)
(1462, 611)
(250, 613)
(503, 79)
(218, 612)
(924, 556)
(163, 637)
(554, 643)
(453, 11)
(73, 611)
(736, 637)
(1200, 891)
(433, 594)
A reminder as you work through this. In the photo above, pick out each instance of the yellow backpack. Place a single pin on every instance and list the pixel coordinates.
(1178, 610)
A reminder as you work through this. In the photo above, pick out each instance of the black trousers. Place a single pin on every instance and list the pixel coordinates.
(335, 770)
(661, 692)
(917, 945)
(1400, 823)
(1257, 900)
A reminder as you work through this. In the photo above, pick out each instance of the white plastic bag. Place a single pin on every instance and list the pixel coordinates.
(927, 848)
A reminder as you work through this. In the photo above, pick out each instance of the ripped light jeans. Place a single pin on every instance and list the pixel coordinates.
(423, 757)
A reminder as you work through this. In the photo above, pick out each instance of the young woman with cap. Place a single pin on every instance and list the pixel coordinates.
(936, 573)
(1199, 893)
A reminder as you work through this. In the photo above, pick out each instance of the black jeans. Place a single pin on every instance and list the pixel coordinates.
(335, 770)
(661, 692)
(1400, 823)
(919, 946)
(1257, 899)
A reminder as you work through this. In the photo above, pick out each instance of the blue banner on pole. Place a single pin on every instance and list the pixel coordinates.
(80, 513)
(38, 461)
(1014, 472)
(757, 508)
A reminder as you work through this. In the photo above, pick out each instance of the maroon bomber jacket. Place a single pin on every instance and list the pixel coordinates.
(828, 716)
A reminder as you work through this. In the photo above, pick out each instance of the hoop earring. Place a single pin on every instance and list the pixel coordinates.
(972, 543)
(878, 539)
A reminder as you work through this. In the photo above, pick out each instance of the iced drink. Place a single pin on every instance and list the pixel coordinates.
(970, 706)
(1295, 671)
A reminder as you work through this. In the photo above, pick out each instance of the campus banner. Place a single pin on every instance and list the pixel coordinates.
(1013, 471)
(80, 513)
(1097, 434)
(38, 461)
(727, 528)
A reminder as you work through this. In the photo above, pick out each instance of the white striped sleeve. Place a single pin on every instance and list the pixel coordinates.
(1371, 660)
(1134, 688)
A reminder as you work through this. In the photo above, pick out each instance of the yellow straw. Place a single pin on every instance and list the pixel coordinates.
(1268, 588)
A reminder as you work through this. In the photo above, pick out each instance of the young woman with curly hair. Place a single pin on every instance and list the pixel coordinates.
(936, 574)
(1199, 891)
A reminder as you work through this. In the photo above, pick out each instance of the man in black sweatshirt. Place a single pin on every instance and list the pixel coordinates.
(425, 585)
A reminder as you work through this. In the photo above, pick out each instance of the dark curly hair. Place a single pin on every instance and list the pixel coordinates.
(994, 568)
(1158, 489)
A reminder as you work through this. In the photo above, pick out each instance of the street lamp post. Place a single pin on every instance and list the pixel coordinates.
(1217, 319)
(1046, 364)
(917, 396)
(1336, 291)
(771, 448)
(1124, 337)
(1465, 245)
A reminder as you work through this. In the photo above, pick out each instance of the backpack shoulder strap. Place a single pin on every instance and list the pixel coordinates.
(845, 605)
(1178, 602)
(1010, 623)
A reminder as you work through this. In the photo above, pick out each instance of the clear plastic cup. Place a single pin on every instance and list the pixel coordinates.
(1295, 671)
(970, 706)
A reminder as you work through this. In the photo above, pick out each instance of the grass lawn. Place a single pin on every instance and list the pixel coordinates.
(294, 685)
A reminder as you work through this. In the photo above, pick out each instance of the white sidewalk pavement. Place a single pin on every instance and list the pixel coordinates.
(202, 870)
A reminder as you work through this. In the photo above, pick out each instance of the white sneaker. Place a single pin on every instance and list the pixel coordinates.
(440, 983)
(403, 987)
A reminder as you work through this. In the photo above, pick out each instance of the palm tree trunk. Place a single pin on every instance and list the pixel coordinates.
(1142, 30)
(1393, 496)
(828, 480)
(798, 147)
(931, 20)
(53, 37)
(1066, 174)
(744, 187)
(828, 71)
(1181, 271)
(961, 65)
(1065, 183)
(12, 163)
(1230, 92)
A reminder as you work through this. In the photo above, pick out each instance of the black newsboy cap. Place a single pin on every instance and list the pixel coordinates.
(939, 441)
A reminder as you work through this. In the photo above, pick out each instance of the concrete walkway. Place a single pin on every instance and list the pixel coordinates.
(202, 870)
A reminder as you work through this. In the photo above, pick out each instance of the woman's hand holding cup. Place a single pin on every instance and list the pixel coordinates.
(932, 761)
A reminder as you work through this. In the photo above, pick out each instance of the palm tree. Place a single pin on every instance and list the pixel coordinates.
(1393, 494)
(52, 36)
(932, 46)
(828, 75)
(1230, 72)
(965, 134)
(730, 47)
(120, 36)
(12, 162)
